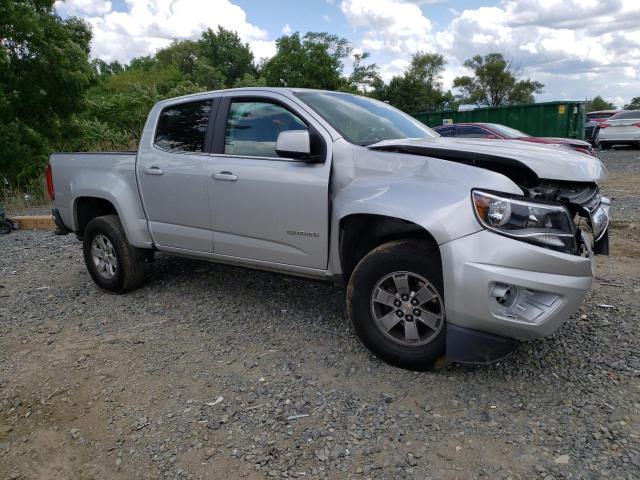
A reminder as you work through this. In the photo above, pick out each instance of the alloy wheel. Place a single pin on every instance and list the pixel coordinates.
(407, 308)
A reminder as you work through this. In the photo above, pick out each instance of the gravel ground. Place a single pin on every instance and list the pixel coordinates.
(211, 371)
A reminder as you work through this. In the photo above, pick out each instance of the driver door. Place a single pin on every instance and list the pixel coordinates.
(266, 207)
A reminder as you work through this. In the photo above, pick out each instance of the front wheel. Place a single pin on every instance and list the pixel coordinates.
(395, 301)
(112, 262)
(605, 146)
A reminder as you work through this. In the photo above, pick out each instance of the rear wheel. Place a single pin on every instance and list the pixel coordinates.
(112, 262)
(395, 301)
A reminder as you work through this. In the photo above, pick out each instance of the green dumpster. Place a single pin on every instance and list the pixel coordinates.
(547, 119)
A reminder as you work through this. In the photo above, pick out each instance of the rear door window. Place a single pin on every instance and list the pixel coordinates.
(183, 127)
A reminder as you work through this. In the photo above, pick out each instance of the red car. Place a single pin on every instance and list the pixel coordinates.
(601, 116)
(497, 131)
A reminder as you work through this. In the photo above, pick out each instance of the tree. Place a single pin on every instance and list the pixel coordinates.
(249, 80)
(313, 61)
(120, 99)
(188, 58)
(599, 103)
(218, 60)
(495, 82)
(183, 54)
(44, 71)
(224, 51)
(634, 105)
(363, 78)
(420, 87)
(103, 69)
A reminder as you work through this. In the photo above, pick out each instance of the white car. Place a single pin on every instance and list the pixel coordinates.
(621, 129)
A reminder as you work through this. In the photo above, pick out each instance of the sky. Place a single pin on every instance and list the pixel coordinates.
(577, 48)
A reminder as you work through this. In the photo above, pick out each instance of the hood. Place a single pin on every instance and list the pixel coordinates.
(527, 159)
(560, 140)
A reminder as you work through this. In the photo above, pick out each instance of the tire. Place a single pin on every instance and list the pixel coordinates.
(409, 344)
(123, 267)
(605, 146)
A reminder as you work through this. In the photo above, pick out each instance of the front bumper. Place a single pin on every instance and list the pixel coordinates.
(546, 286)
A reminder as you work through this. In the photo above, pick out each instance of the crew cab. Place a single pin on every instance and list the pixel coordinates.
(447, 246)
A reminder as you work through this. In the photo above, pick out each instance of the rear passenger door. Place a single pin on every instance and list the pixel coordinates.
(172, 174)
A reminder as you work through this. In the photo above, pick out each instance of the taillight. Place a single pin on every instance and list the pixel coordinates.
(637, 124)
(49, 176)
(604, 125)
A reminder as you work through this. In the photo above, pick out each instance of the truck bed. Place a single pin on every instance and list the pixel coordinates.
(104, 175)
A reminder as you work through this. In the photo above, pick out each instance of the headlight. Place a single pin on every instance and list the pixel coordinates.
(544, 224)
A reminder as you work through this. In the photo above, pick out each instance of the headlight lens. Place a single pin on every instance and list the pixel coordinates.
(543, 224)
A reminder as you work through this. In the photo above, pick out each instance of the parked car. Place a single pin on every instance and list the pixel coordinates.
(591, 130)
(454, 246)
(621, 129)
(600, 116)
(502, 132)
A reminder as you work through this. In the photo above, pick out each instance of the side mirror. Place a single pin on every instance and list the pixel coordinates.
(293, 144)
(490, 136)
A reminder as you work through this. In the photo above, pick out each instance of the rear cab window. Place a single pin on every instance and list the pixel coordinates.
(183, 127)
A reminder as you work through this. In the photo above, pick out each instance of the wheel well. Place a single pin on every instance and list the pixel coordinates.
(88, 208)
(361, 233)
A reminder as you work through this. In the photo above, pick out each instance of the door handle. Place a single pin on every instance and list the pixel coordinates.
(226, 176)
(153, 171)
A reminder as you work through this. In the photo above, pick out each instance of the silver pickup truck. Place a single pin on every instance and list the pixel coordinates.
(446, 245)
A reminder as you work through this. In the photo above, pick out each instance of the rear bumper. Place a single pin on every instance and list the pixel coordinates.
(510, 288)
(61, 229)
(622, 137)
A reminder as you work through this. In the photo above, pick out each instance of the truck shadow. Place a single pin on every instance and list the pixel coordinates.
(302, 304)
(315, 312)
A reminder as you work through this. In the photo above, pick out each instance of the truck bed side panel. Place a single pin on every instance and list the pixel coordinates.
(109, 176)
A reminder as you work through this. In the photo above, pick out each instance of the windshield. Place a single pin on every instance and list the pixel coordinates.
(508, 131)
(362, 120)
(626, 115)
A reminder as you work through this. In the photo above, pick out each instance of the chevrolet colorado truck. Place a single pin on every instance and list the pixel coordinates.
(446, 245)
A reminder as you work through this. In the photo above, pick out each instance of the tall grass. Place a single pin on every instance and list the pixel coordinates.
(29, 188)
(32, 194)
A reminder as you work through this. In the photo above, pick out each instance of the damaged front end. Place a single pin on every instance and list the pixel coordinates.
(541, 181)
(589, 209)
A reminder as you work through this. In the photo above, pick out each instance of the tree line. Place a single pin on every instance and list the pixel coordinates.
(53, 96)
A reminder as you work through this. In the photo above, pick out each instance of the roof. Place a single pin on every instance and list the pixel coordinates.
(288, 90)
(604, 111)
